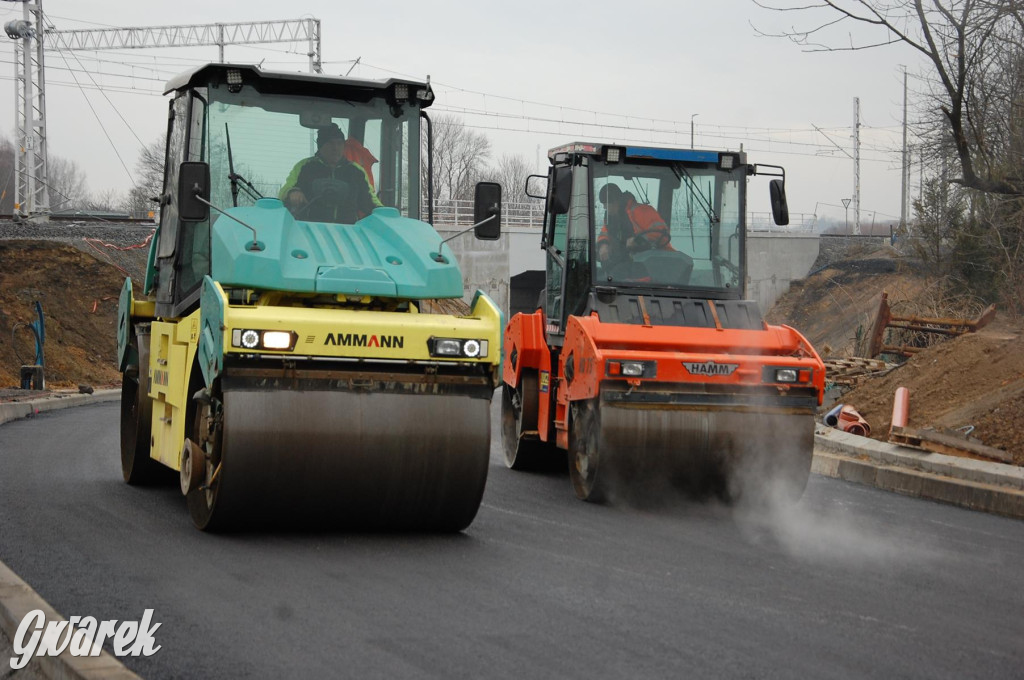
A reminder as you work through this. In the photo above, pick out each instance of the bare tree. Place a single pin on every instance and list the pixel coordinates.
(68, 188)
(149, 178)
(460, 157)
(511, 173)
(968, 44)
(106, 201)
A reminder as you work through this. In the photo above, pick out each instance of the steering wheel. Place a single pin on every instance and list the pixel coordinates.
(325, 193)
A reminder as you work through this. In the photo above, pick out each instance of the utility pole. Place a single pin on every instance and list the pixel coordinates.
(691, 128)
(31, 187)
(904, 188)
(856, 165)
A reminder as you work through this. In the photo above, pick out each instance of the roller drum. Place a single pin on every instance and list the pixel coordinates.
(367, 460)
(733, 452)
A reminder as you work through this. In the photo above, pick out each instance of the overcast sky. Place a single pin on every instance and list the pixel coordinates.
(529, 75)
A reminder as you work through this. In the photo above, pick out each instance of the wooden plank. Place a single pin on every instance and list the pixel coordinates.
(949, 443)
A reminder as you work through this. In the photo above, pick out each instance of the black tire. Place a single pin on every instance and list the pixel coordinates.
(519, 406)
(137, 467)
(589, 469)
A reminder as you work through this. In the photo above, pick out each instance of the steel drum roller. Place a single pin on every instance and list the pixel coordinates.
(361, 459)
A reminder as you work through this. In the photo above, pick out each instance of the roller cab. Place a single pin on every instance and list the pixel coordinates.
(642, 363)
(283, 359)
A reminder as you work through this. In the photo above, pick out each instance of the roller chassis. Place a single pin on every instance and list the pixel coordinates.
(655, 372)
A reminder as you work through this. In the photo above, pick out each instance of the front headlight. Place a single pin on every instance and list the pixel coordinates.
(457, 348)
(786, 375)
(251, 338)
(619, 368)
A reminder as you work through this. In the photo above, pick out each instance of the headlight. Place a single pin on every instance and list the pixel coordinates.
(785, 375)
(457, 348)
(471, 348)
(251, 338)
(632, 369)
(277, 339)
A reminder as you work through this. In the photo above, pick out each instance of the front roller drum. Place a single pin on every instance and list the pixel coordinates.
(370, 460)
(629, 451)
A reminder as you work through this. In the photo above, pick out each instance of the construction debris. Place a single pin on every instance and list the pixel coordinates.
(852, 371)
(951, 327)
(949, 442)
(846, 418)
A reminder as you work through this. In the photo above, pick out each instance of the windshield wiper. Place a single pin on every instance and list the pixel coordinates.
(705, 201)
(236, 179)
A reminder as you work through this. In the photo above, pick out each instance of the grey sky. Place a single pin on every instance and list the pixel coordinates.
(529, 75)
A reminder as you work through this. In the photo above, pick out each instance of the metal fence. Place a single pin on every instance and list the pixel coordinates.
(459, 213)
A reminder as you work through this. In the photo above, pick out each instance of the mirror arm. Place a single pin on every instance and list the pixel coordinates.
(438, 257)
(254, 245)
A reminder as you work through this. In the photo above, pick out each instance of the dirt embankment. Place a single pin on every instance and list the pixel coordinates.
(78, 294)
(974, 382)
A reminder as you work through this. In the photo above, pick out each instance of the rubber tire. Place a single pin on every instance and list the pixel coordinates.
(137, 467)
(521, 453)
(588, 473)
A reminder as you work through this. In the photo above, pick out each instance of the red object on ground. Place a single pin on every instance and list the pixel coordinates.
(900, 408)
(852, 422)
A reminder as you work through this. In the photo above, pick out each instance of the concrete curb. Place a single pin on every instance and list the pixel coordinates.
(17, 599)
(13, 410)
(989, 487)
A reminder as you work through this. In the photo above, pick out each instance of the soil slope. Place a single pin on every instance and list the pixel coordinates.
(975, 381)
(78, 294)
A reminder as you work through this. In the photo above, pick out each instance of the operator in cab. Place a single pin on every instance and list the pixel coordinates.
(328, 187)
(630, 227)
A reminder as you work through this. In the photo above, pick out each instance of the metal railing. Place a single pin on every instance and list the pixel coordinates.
(459, 213)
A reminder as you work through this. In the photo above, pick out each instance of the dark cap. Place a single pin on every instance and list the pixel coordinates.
(609, 189)
(328, 133)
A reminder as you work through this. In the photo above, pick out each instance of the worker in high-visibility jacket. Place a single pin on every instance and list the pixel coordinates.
(328, 187)
(630, 227)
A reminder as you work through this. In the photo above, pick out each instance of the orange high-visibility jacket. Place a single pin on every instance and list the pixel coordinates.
(646, 223)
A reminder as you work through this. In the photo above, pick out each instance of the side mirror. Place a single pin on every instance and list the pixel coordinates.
(561, 190)
(487, 211)
(527, 191)
(193, 184)
(780, 209)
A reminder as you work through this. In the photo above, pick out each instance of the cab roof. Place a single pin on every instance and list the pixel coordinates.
(296, 82)
(644, 152)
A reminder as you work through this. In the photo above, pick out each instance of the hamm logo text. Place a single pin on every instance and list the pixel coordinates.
(709, 368)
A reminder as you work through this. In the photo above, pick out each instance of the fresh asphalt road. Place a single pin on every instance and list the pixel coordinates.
(851, 583)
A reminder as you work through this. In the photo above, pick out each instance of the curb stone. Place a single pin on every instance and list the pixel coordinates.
(14, 410)
(17, 598)
(978, 485)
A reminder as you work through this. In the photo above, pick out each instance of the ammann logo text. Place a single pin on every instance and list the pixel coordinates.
(709, 368)
(363, 340)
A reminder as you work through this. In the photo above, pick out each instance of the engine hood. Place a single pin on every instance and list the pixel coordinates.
(383, 254)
